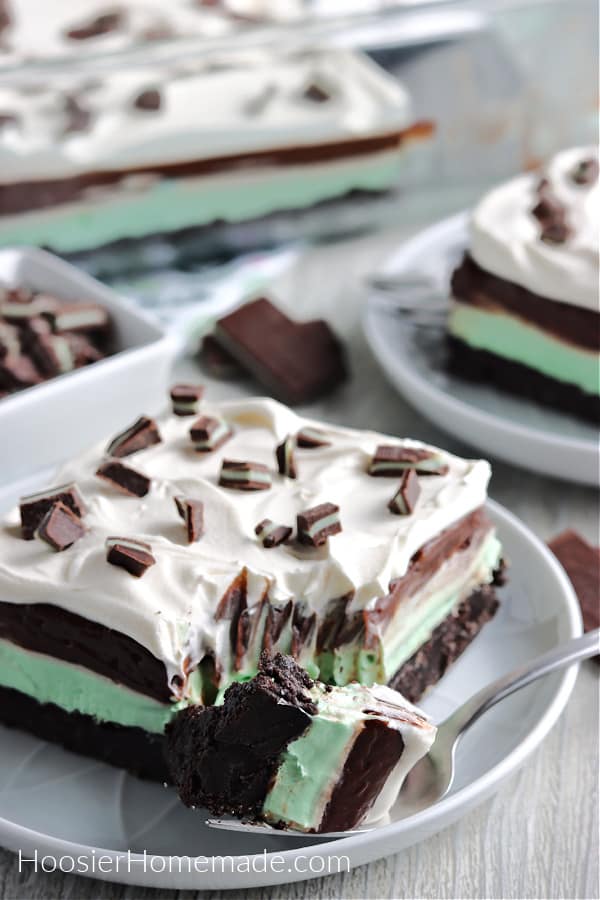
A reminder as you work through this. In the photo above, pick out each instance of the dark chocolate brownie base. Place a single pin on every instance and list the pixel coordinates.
(224, 757)
(484, 367)
(133, 749)
(448, 641)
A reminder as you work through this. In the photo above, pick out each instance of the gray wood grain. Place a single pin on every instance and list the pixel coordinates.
(538, 837)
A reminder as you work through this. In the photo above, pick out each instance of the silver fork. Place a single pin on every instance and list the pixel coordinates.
(432, 777)
(417, 298)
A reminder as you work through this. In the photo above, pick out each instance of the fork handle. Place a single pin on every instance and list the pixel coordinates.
(575, 650)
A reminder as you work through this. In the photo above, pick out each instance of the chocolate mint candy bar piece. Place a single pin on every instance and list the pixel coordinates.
(548, 209)
(84, 352)
(217, 361)
(192, 513)
(555, 232)
(295, 362)
(316, 93)
(86, 317)
(19, 308)
(244, 476)
(310, 438)
(18, 371)
(133, 556)
(127, 480)
(186, 399)
(271, 534)
(285, 457)
(148, 100)
(209, 433)
(581, 562)
(404, 500)
(60, 527)
(9, 340)
(143, 433)
(586, 171)
(52, 354)
(391, 461)
(317, 524)
(34, 507)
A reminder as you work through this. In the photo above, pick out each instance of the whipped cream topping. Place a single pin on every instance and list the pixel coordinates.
(170, 611)
(505, 236)
(252, 101)
(39, 31)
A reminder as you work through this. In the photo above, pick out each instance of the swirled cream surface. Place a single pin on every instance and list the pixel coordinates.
(505, 236)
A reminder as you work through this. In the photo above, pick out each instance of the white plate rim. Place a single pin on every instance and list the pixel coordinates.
(408, 381)
(18, 837)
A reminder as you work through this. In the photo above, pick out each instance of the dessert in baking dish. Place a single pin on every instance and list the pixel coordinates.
(90, 160)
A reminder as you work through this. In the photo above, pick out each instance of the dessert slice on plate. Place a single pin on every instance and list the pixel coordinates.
(524, 311)
(297, 753)
(157, 567)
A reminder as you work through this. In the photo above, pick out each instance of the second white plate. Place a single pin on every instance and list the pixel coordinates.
(413, 359)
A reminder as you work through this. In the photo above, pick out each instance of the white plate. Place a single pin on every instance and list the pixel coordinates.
(501, 425)
(76, 409)
(64, 805)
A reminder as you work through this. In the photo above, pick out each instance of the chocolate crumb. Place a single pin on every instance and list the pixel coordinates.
(586, 171)
(149, 100)
(102, 24)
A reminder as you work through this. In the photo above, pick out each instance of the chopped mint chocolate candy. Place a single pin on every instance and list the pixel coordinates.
(271, 534)
(317, 524)
(586, 171)
(9, 340)
(316, 93)
(192, 513)
(60, 527)
(52, 354)
(148, 101)
(102, 24)
(209, 433)
(257, 104)
(133, 556)
(18, 371)
(77, 116)
(143, 433)
(5, 16)
(548, 209)
(285, 457)
(404, 500)
(244, 476)
(186, 399)
(555, 232)
(84, 352)
(78, 317)
(310, 438)
(125, 479)
(391, 461)
(19, 309)
(34, 507)
(217, 361)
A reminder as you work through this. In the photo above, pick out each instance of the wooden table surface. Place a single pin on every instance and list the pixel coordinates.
(538, 837)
